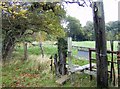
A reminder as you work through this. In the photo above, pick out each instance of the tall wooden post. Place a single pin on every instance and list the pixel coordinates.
(90, 52)
(69, 51)
(118, 62)
(119, 44)
(62, 53)
(101, 50)
(112, 71)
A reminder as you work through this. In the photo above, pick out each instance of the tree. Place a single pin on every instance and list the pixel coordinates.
(112, 30)
(21, 19)
(74, 28)
(89, 31)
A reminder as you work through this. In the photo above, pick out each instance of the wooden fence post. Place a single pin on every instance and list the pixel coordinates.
(62, 54)
(118, 62)
(112, 71)
(56, 65)
(101, 50)
(25, 51)
(41, 48)
(69, 51)
(90, 61)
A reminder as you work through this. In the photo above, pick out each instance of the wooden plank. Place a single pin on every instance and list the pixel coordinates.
(81, 68)
(108, 51)
(88, 65)
(76, 69)
(63, 79)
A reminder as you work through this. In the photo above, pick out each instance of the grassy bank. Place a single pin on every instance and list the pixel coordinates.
(33, 73)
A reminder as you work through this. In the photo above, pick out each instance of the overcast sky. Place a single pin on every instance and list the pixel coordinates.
(84, 14)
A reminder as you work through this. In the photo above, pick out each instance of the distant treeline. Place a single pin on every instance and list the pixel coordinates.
(79, 33)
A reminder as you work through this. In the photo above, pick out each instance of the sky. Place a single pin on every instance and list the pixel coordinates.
(85, 14)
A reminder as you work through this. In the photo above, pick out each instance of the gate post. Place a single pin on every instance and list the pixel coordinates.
(118, 62)
(62, 54)
(101, 50)
(69, 51)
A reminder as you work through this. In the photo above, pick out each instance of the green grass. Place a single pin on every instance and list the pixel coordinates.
(91, 44)
(30, 73)
(18, 73)
(35, 50)
(50, 49)
(80, 62)
(22, 73)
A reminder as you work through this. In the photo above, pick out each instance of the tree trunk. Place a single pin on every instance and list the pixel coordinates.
(7, 48)
(8, 43)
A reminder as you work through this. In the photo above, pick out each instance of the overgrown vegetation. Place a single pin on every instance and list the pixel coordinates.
(32, 73)
(24, 22)
(35, 72)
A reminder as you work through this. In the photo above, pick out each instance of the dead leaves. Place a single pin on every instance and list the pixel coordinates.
(28, 75)
(24, 80)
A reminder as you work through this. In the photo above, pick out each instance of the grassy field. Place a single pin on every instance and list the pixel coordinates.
(35, 50)
(91, 44)
(35, 73)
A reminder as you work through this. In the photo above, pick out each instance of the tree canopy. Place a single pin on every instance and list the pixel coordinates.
(74, 28)
(89, 31)
(22, 19)
(112, 30)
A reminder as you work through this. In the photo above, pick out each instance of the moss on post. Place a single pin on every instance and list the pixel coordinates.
(62, 54)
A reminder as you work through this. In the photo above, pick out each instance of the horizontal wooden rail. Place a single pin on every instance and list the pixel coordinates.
(92, 49)
(108, 51)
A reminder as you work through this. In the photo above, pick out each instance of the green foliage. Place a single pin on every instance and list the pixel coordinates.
(113, 30)
(89, 31)
(21, 19)
(74, 28)
(62, 46)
